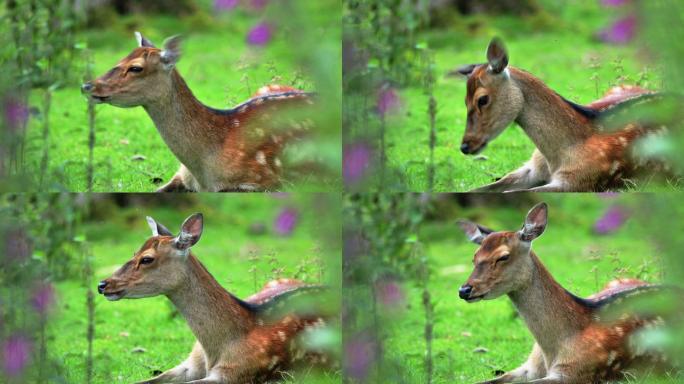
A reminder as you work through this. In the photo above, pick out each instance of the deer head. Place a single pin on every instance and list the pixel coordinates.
(492, 98)
(145, 75)
(503, 262)
(159, 266)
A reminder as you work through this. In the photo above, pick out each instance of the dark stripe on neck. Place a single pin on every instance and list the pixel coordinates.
(587, 112)
(278, 299)
(227, 112)
(249, 307)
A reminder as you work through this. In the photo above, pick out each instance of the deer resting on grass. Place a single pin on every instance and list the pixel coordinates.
(572, 154)
(574, 344)
(237, 341)
(236, 149)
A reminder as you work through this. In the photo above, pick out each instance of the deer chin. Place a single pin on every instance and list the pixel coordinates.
(99, 99)
(474, 299)
(479, 149)
(114, 296)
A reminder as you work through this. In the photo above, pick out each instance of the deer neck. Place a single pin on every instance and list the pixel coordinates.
(550, 122)
(188, 127)
(215, 317)
(549, 311)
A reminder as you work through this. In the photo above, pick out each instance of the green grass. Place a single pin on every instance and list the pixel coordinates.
(220, 68)
(581, 261)
(558, 47)
(151, 323)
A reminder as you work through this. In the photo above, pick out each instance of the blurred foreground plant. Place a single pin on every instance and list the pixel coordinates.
(381, 251)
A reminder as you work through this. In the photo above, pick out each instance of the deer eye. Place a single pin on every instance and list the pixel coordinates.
(482, 101)
(503, 257)
(147, 260)
(135, 69)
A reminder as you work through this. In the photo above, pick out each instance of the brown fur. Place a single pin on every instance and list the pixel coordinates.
(234, 343)
(573, 345)
(573, 154)
(232, 150)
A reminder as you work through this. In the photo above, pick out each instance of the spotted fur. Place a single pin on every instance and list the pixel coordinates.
(577, 340)
(574, 152)
(236, 149)
(238, 341)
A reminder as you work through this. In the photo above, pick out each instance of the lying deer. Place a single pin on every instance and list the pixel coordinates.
(572, 153)
(236, 149)
(573, 342)
(237, 341)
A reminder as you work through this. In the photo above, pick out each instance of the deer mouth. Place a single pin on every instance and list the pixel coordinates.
(100, 99)
(473, 299)
(114, 296)
(478, 149)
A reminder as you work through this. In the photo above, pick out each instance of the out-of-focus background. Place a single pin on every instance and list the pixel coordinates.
(405, 258)
(55, 328)
(231, 48)
(404, 118)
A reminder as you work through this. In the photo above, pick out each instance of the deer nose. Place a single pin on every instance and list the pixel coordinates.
(465, 148)
(464, 291)
(87, 87)
(101, 286)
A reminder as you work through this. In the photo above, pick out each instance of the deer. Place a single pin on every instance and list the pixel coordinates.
(220, 150)
(238, 341)
(573, 152)
(576, 340)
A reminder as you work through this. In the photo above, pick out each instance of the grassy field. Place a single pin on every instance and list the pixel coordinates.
(226, 248)
(580, 260)
(221, 69)
(557, 46)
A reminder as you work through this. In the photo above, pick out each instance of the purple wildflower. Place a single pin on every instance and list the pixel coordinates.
(611, 221)
(286, 221)
(360, 354)
(43, 298)
(15, 355)
(260, 34)
(621, 32)
(614, 3)
(388, 101)
(225, 5)
(389, 293)
(355, 161)
(17, 246)
(16, 114)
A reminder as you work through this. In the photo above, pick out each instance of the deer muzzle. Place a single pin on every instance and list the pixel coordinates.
(88, 88)
(109, 292)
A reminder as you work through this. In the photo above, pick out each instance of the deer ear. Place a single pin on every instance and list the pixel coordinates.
(142, 41)
(190, 233)
(171, 52)
(474, 232)
(535, 222)
(464, 70)
(157, 228)
(497, 55)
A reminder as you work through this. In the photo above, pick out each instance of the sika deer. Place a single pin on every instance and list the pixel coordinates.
(220, 150)
(572, 153)
(574, 343)
(249, 341)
